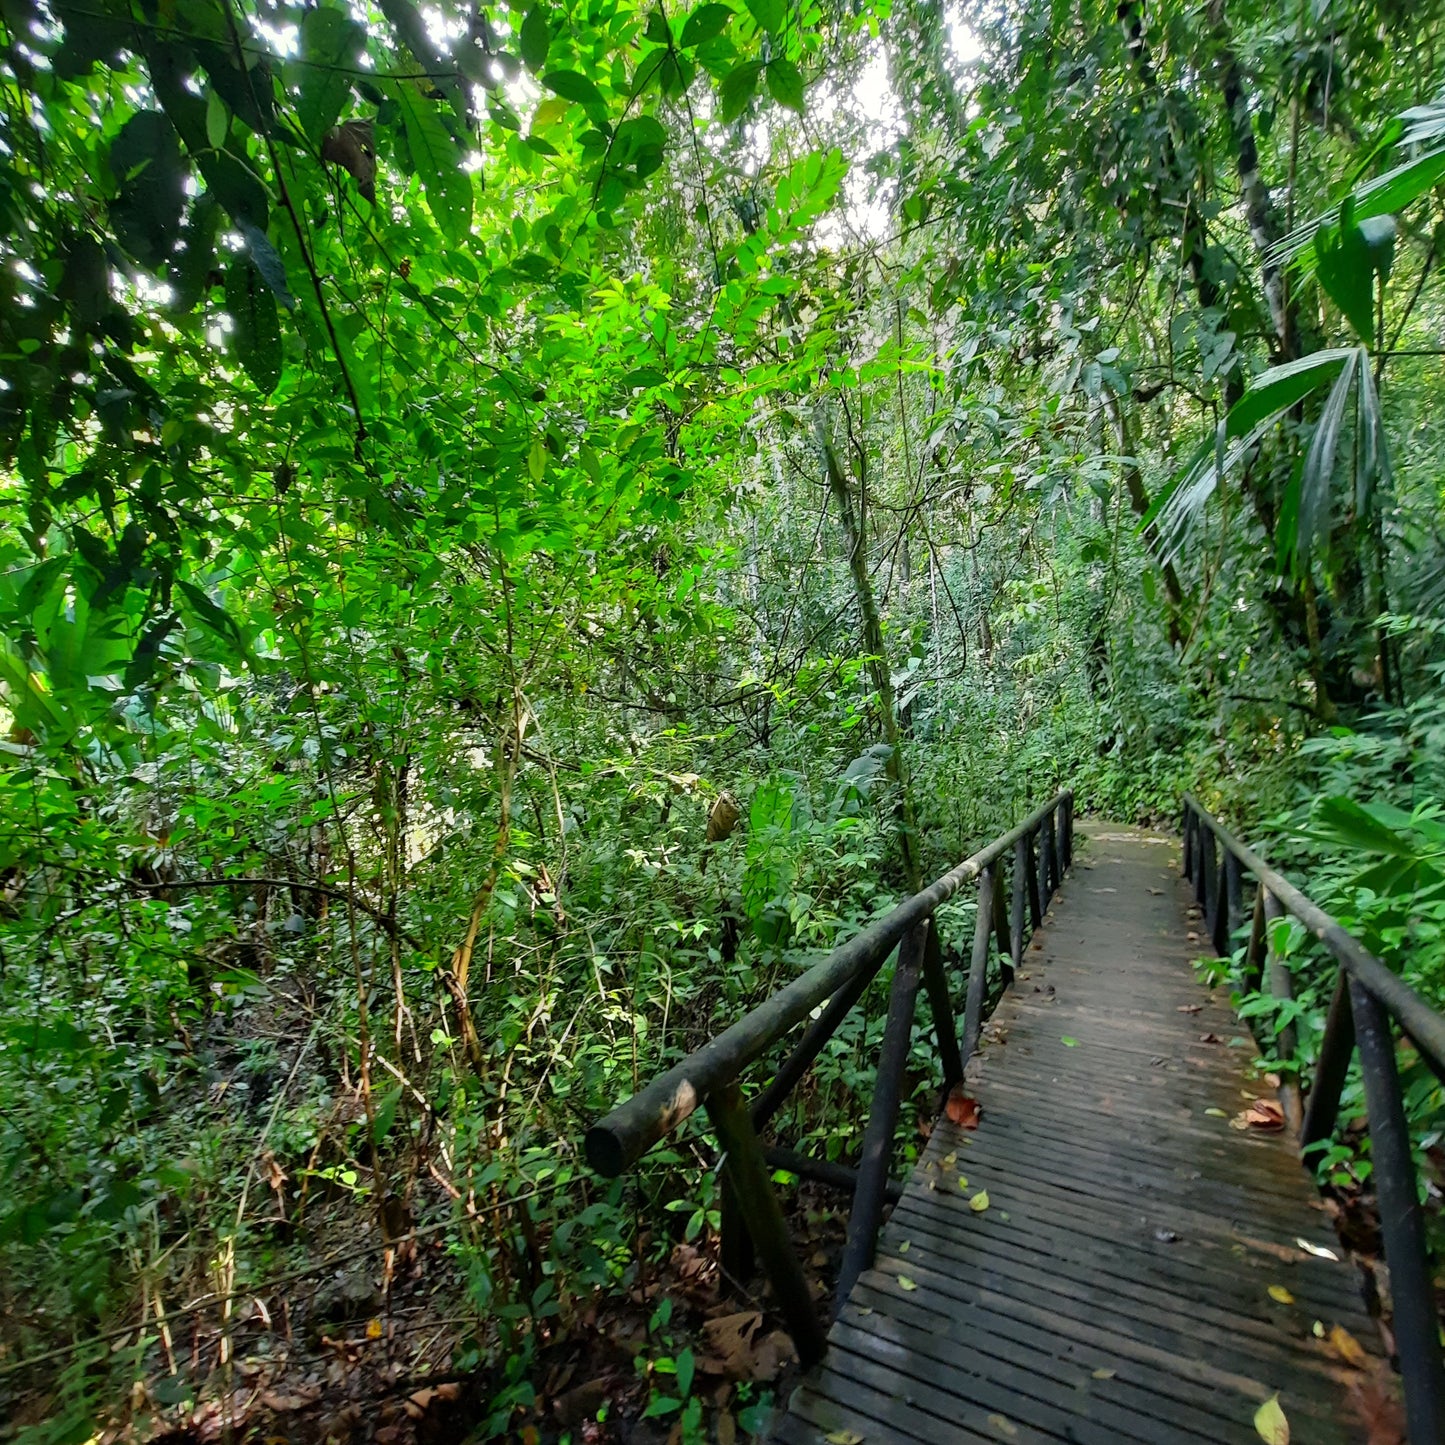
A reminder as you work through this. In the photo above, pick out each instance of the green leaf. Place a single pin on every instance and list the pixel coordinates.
(268, 263)
(535, 39)
(737, 90)
(770, 14)
(1270, 1423)
(572, 86)
(1346, 270)
(145, 159)
(785, 84)
(217, 121)
(256, 338)
(210, 615)
(434, 154)
(705, 22)
(331, 42)
(1344, 821)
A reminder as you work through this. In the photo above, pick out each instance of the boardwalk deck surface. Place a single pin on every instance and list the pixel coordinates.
(1117, 1286)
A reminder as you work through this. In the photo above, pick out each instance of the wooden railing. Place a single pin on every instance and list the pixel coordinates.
(1367, 997)
(1038, 851)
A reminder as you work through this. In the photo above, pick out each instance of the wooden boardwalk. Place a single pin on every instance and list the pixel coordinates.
(1118, 1285)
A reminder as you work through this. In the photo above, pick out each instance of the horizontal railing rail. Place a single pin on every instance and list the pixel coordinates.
(1367, 997)
(1038, 851)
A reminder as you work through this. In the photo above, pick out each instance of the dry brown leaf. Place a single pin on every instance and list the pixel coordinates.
(1264, 1115)
(962, 1109)
(351, 146)
(1189, 1008)
(1347, 1347)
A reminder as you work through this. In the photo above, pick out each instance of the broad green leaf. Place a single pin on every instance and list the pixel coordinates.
(217, 120)
(535, 39)
(331, 42)
(1345, 269)
(145, 159)
(705, 22)
(437, 161)
(785, 84)
(737, 90)
(1344, 821)
(570, 85)
(256, 337)
(268, 263)
(770, 14)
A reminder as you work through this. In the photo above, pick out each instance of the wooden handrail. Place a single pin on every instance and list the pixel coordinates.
(1367, 995)
(1040, 849)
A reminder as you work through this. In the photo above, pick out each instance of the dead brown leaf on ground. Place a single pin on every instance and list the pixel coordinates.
(962, 1109)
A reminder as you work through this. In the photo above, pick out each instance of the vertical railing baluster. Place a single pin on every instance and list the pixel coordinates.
(868, 1197)
(1332, 1067)
(940, 1002)
(1219, 923)
(1036, 912)
(1017, 908)
(1068, 830)
(1059, 866)
(1204, 884)
(1281, 987)
(1001, 926)
(1254, 953)
(1416, 1320)
(978, 967)
(747, 1174)
(1046, 859)
(1186, 827)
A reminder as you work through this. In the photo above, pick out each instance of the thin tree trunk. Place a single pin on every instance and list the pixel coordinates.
(873, 644)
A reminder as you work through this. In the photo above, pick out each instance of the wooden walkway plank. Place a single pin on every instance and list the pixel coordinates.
(1117, 1286)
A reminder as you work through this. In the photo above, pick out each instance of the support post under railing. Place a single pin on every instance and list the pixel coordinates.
(747, 1174)
(1204, 872)
(1402, 1224)
(1046, 859)
(882, 1121)
(1021, 848)
(1001, 932)
(1220, 924)
(1060, 867)
(1336, 1050)
(1281, 986)
(1068, 830)
(978, 966)
(1036, 912)
(1186, 829)
(1254, 950)
(940, 1003)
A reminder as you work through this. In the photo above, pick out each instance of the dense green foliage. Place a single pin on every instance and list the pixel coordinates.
(454, 458)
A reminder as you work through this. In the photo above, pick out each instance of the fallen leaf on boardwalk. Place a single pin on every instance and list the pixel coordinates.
(1069, 1043)
(865, 1309)
(844, 1437)
(1003, 1426)
(1105, 1374)
(1319, 1329)
(961, 1109)
(1217, 1113)
(1347, 1347)
(1270, 1422)
(1280, 1294)
(949, 1160)
(1264, 1115)
(305, 1395)
(373, 1329)
(962, 1182)
(1001, 1214)
(979, 1202)
(904, 1283)
(903, 1248)
(1157, 892)
(1318, 1250)
(1190, 1008)
(1210, 1039)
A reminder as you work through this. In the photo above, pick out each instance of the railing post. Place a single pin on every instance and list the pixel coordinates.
(1254, 953)
(1219, 924)
(1234, 878)
(940, 1002)
(1059, 866)
(1204, 883)
(1021, 848)
(1001, 925)
(1336, 1049)
(882, 1121)
(1281, 986)
(747, 1174)
(1416, 1319)
(1046, 858)
(1186, 827)
(978, 966)
(735, 1246)
(1068, 830)
(1036, 912)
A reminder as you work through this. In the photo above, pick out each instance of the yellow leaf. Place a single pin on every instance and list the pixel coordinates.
(1105, 1374)
(1270, 1423)
(373, 1329)
(1280, 1294)
(979, 1202)
(1216, 1113)
(905, 1283)
(903, 1248)
(844, 1437)
(1004, 1426)
(1347, 1347)
(949, 1160)
(962, 1182)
